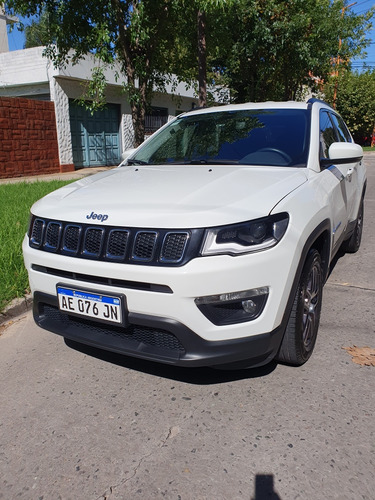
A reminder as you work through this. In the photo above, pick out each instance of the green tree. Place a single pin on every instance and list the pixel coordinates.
(213, 9)
(279, 46)
(355, 101)
(201, 39)
(133, 33)
(37, 32)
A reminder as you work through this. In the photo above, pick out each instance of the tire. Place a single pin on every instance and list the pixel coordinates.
(302, 328)
(354, 242)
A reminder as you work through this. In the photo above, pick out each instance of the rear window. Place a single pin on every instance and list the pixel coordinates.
(275, 137)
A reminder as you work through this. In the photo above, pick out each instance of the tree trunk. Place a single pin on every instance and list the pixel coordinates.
(202, 59)
(138, 120)
(138, 108)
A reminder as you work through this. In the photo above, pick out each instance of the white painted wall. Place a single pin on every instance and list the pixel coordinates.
(28, 73)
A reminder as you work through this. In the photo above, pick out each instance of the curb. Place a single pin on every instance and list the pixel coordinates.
(16, 308)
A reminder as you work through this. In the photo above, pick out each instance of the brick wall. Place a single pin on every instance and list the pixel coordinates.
(28, 138)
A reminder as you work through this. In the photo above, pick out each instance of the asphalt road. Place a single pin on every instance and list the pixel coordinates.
(80, 424)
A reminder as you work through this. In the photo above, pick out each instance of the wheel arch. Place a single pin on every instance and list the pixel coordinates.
(319, 240)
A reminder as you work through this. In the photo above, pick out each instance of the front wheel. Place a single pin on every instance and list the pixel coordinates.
(302, 328)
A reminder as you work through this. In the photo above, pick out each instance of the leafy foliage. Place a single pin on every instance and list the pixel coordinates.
(258, 49)
(131, 33)
(278, 47)
(355, 102)
(37, 33)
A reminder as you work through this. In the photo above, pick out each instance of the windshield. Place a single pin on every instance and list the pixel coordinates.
(275, 137)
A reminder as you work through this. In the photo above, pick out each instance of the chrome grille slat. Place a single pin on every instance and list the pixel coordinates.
(116, 244)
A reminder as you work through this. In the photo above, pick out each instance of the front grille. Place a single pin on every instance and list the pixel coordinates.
(174, 246)
(93, 242)
(53, 235)
(153, 337)
(72, 236)
(117, 244)
(36, 234)
(144, 245)
(165, 247)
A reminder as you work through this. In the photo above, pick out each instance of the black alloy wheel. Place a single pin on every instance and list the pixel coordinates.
(302, 328)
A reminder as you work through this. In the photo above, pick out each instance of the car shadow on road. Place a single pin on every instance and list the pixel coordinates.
(341, 253)
(197, 376)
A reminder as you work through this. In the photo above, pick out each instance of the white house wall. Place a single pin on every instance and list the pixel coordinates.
(27, 73)
(24, 67)
(64, 139)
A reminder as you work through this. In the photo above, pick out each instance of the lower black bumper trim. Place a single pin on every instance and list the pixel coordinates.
(156, 339)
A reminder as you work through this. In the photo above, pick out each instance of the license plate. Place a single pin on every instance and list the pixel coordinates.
(89, 304)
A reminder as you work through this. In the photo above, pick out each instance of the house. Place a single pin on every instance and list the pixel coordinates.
(84, 139)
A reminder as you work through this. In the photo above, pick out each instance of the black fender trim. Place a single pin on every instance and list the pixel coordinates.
(324, 248)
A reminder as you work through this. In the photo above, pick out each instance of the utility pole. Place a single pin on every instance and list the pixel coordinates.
(4, 21)
(337, 60)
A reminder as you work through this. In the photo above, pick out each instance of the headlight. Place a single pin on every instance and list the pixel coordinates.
(245, 237)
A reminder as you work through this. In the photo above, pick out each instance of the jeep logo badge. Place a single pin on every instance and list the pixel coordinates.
(99, 217)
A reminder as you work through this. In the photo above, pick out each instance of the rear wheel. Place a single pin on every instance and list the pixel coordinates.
(302, 328)
(354, 242)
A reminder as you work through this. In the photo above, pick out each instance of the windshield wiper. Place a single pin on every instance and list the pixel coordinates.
(133, 161)
(213, 162)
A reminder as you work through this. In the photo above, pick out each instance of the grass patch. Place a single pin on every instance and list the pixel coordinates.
(368, 148)
(15, 203)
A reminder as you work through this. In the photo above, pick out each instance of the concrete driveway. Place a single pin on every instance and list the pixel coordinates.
(76, 423)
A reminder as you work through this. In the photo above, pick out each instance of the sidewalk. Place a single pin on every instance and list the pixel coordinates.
(64, 176)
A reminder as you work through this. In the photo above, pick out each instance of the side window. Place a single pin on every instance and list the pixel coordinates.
(343, 132)
(327, 133)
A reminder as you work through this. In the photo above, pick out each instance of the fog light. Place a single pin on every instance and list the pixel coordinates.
(234, 307)
(249, 306)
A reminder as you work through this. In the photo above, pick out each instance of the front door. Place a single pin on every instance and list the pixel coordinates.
(342, 177)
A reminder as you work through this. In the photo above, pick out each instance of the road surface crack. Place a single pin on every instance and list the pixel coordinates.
(348, 285)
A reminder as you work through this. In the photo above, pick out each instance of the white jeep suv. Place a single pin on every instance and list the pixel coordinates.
(210, 245)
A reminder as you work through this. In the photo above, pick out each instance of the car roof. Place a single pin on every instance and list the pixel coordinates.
(251, 106)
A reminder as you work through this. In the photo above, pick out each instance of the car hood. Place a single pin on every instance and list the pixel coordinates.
(172, 196)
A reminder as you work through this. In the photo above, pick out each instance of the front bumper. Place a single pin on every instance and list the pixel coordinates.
(165, 323)
(156, 339)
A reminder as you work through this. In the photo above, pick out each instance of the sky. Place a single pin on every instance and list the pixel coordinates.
(16, 39)
(360, 7)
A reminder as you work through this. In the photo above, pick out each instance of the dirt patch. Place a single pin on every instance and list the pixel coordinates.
(364, 356)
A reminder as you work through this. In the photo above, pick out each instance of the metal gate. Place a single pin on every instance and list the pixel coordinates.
(95, 137)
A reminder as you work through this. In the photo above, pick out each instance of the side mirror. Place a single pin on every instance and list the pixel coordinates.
(342, 152)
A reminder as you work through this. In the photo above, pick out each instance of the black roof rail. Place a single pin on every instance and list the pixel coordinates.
(314, 99)
(197, 108)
